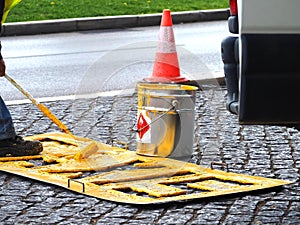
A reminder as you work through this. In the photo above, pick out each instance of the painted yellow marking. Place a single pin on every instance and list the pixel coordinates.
(116, 174)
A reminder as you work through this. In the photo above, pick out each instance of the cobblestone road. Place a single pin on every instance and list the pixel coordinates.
(269, 151)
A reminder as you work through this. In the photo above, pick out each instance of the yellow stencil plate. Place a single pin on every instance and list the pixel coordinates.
(119, 175)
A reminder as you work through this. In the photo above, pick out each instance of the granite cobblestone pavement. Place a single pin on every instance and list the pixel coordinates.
(268, 151)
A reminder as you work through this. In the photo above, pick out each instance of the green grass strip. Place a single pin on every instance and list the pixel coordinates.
(32, 10)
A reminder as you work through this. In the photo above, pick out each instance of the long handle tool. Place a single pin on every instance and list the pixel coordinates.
(42, 107)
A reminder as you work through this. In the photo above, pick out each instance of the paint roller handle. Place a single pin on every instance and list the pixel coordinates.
(53, 118)
(13, 82)
(42, 107)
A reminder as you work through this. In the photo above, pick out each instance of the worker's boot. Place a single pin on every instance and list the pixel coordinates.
(19, 147)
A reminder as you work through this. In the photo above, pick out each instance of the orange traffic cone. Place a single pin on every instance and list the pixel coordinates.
(166, 67)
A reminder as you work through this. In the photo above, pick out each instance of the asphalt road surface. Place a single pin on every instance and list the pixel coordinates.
(71, 64)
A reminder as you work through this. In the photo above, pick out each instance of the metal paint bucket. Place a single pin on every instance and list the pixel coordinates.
(165, 120)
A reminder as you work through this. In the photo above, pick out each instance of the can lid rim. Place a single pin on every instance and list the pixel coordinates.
(168, 87)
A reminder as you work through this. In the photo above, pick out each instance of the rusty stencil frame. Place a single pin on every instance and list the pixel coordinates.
(119, 175)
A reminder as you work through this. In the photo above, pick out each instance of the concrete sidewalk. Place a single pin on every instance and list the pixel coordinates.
(109, 22)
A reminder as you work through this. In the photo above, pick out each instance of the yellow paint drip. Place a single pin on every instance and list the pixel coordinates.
(116, 174)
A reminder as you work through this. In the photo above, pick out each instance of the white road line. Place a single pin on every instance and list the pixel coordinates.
(74, 97)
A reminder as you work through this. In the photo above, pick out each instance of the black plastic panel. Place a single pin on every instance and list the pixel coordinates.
(270, 79)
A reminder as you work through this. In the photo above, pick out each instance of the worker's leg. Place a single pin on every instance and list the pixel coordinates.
(7, 129)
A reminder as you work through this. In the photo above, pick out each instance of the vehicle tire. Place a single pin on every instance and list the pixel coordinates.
(229, 53)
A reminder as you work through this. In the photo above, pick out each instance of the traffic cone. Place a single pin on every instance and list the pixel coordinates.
(166, 67)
